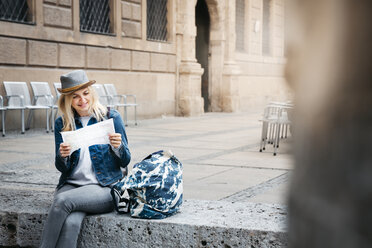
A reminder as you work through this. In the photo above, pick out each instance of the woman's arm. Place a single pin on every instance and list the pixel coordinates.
(62, 163)
(122, 151)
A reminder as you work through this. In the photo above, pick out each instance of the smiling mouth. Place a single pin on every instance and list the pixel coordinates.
(83, 105)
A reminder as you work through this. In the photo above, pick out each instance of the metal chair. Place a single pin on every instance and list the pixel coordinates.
(275, 121)
(121, 101)
(2, 109)
(55, 105)
(18, 97)
(57, 86)
(105, 99)
(45, 97)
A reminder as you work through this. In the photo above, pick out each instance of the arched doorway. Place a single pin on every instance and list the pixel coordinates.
(202, 21)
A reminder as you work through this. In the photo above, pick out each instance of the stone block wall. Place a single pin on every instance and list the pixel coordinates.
(261, 77)
(71, 56)
(42, 53)
(98, 57)
(262, 81)
(32, 57)
(120, 59)
(131, 14)
(57, 13)
(54, 45)
(278, 32)
(27, 52)
(254, 39)
(13, 51)
(141, 61)
(254, 27)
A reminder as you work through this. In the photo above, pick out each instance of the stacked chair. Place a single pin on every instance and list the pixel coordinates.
(18, 97)
(105, 99)
(43, 89)
(55, 105)
(122, 101)
(109, 97)
(2, 109)
(275, 124)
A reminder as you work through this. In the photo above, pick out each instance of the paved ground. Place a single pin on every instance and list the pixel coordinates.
(219, 152)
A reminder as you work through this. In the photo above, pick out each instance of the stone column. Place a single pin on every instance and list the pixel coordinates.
(215, 70)
(230, 87)
(189, 100)
(217, 50)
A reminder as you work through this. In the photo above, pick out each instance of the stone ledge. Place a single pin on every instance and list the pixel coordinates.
(199, 224)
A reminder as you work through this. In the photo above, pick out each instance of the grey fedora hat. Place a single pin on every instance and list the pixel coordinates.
(74, 81)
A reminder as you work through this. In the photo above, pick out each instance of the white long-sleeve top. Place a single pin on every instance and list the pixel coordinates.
(83, 173)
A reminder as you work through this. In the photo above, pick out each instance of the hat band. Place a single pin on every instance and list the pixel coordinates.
(76, 87)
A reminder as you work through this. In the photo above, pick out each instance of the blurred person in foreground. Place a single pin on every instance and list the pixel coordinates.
(87, 173)
(329, 66)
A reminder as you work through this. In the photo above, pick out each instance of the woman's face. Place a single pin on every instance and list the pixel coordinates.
(81, 100)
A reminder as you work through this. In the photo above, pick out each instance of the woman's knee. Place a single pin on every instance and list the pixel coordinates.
(73, 222)
(61, 203)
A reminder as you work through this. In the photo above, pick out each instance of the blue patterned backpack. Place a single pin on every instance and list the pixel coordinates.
(154, 188)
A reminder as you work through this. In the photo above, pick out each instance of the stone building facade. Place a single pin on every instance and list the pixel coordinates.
(178, 57)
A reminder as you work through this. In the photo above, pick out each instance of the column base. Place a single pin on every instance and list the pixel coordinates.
(190, 102)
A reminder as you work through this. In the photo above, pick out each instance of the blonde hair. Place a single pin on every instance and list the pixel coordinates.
(96, 109)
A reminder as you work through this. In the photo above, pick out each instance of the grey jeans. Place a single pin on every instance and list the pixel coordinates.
(70, 206)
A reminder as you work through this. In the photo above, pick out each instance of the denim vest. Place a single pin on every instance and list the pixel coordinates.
(106, 164)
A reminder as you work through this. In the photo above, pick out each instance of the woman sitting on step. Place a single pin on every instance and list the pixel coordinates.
(87, 173)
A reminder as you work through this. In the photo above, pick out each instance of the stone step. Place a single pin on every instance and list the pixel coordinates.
(199, 224)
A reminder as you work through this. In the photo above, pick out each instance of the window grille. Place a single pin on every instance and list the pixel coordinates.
(95, 16)
(15, 11)
(239, 24)
(266, 28)
(157, 20)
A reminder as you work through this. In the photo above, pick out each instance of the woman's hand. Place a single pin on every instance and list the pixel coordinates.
(64, 149)
(115, 139)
